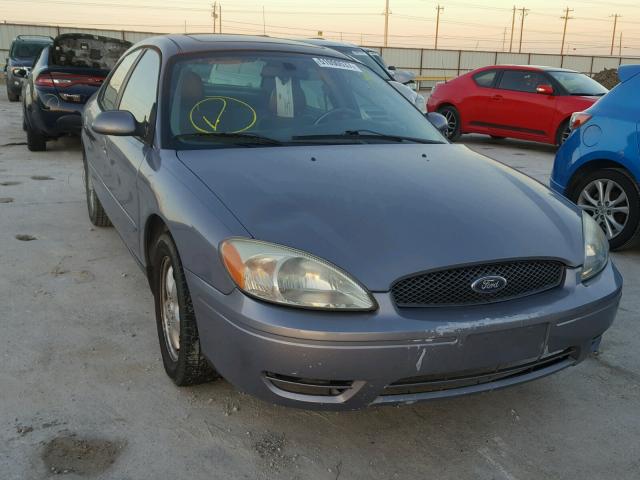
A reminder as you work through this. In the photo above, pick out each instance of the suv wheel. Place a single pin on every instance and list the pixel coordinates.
(612, 198)
(13, 97)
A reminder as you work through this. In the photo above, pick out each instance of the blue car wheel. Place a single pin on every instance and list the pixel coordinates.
(611, 197)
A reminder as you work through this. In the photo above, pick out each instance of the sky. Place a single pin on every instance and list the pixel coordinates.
(464, 24)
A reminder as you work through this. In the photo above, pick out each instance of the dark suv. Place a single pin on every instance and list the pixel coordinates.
(63, 78)
(22, 54)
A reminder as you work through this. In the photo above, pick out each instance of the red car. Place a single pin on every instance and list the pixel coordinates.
(526, 102)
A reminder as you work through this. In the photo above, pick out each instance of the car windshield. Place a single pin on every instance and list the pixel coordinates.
(364, 57)
(247, 99)
(579, 84)
(26, 49)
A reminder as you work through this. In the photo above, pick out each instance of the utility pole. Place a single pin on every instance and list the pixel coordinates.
(523, 12)
(214, 15)
(438, 9)
(566, 18)
(513, 25)
(386, 24)
(615, 24)
(220, 18)
(620, 46)
(264, 23)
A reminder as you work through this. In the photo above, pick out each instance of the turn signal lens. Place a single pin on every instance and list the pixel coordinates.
(578, 119)
(287, 276)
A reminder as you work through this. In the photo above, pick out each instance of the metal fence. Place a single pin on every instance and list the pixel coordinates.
(429, 65)
(432, 66)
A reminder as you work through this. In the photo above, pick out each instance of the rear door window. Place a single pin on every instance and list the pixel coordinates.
(112, 89)
(485, 79)
(139, 94)
(521, 80)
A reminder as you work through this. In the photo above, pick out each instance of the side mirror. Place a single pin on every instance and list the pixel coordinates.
(439, 121)
(544, 89)
(119, 123)
(20, 72)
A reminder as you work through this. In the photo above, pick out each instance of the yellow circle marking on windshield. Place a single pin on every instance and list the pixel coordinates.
(214, 125)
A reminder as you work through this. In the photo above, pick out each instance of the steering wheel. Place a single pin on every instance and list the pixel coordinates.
(342, 110)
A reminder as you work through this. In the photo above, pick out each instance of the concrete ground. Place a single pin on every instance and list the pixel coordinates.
(83, 393)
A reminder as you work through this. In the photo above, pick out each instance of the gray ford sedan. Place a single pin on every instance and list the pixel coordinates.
(311, 237)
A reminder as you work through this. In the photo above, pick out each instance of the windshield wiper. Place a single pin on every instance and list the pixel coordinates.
(364, 134)
(588, 94)
(246, 138)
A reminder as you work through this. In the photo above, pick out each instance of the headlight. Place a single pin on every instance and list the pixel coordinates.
(291, 277)
(596, 247)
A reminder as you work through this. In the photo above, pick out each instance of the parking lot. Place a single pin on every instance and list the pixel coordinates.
(83, 392)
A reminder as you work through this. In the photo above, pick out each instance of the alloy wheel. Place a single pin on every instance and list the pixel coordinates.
(452, 121)
(170, 309)
(608, 204)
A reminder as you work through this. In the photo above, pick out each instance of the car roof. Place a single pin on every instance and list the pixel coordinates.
(188, 43)
(329, 43)
(528, 67)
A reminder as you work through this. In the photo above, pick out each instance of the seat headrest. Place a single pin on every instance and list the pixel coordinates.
(192, 87)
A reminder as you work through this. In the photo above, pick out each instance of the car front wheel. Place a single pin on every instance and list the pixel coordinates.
(563, 133)
(452, 115)
(175, 318)
(612, 198)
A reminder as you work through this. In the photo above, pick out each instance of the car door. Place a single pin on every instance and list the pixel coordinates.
(517, 110)
(475, 106)
(95, 144)
(125, 154)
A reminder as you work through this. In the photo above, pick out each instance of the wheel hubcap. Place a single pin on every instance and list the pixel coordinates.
(608, 204)
(170, 309)
(565, 134)
(452, 123)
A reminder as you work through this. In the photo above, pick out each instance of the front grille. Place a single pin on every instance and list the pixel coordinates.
(452, 287)
(437, 383)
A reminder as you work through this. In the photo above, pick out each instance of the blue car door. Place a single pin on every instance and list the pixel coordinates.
(126, 154)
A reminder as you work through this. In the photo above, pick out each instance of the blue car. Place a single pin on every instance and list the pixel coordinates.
(312, 238)
(598, 167)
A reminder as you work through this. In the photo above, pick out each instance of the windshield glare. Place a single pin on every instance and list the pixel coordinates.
(578, 83)
(284, 97)
(363, 57)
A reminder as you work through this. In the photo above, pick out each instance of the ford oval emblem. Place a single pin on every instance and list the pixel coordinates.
(489, 284)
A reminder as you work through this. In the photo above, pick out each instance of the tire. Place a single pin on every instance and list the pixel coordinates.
(13, 97)
(36, 141)
(97, 215)
(179, 344)
(563, 133)
(453, 118)
(627, 236)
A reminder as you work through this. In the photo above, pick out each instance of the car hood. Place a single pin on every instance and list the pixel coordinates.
(382, 212)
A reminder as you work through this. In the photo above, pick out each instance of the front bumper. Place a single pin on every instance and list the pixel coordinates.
(339, 361)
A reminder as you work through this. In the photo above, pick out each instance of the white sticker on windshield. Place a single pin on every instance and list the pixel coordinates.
(284, 98)
(334, 63)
